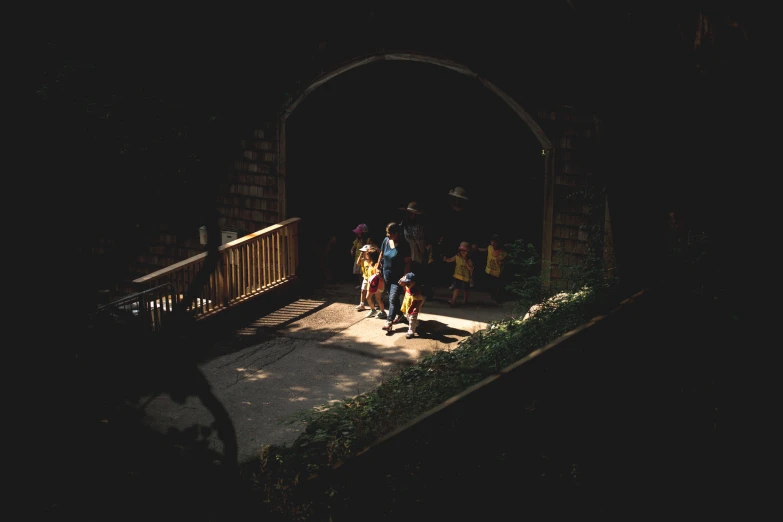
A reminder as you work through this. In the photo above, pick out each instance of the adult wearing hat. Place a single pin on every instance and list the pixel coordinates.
(456, 223)
(459, 194)
(415, 231)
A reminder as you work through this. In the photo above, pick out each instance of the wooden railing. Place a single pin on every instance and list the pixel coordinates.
(245, 268)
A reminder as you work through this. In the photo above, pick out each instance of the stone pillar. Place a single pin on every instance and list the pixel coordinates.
(570, 169)
(249, 198)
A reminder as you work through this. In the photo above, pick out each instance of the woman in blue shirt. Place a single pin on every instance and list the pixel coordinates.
(395, 262)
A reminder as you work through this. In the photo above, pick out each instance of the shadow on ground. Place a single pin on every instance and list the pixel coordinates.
(98, 459)
(440, 332)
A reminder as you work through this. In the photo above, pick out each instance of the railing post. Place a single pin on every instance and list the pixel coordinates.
(296, 247)
(226, 277)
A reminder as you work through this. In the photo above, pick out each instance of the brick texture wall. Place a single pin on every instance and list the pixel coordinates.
(575, 135)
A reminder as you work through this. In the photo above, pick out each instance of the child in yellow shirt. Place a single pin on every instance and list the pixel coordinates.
(362, 238)
(463, 269)
(370, 255)
(496, 262)
(367, 265)
(412, 303)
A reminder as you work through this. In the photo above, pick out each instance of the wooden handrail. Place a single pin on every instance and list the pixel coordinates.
(246, 267)
(236, 242)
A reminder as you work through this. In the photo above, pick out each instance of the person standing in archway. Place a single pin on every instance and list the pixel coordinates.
(496, 263)
(455, 224)
(394, 262)
(415, 231)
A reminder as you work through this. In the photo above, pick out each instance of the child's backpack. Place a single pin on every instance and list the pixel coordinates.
(375, 283)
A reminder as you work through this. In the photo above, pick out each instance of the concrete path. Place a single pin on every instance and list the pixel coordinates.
(314, 350)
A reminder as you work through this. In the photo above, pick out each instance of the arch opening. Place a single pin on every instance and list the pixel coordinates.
(289, 107)
(525, 145)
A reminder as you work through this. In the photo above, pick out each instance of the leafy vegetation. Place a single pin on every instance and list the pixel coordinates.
(338, 431)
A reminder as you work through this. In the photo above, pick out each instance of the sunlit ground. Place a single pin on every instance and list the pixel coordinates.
(312, 352)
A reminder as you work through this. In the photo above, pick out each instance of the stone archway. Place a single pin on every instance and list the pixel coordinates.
(292, 104)
(255, 196)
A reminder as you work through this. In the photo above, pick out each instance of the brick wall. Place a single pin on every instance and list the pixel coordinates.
(248, 199)
(575, 136)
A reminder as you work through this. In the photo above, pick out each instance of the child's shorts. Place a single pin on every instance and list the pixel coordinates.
(365, 284)
(459, 284)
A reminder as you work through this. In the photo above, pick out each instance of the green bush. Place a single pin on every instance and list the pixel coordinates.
(338, 431)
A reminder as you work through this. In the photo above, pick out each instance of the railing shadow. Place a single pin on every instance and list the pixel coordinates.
(122, 463)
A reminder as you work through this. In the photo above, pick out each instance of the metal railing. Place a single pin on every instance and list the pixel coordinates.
(244, 268)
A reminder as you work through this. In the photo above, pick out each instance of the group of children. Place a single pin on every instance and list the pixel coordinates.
(366, 252)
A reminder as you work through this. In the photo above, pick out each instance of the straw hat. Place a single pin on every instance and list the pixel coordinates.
(368, 248)
(412, 207)
(464, 245)
(458, 192)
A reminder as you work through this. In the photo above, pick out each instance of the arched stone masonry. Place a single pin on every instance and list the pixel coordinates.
(254, 196)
